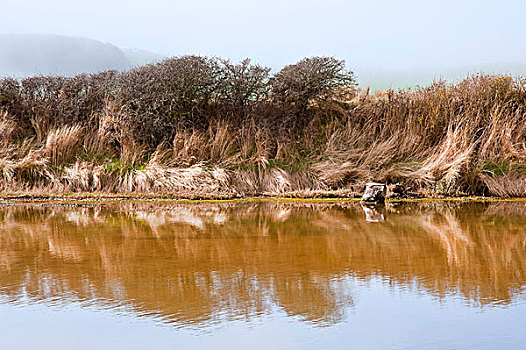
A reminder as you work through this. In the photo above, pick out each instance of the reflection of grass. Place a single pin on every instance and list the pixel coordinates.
(205, 259)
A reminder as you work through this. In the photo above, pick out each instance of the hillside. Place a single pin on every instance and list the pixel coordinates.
(23, 55)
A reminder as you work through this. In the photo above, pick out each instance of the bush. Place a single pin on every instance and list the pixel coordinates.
(153, 101)
(311, 79)
(243, 86)
(39, 104)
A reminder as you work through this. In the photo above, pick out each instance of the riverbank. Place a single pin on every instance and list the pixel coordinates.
(326, 197)
(205, 128)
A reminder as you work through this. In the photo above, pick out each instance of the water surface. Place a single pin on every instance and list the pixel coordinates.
(436, 275)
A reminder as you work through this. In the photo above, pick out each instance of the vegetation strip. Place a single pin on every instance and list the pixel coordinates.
(205, 128)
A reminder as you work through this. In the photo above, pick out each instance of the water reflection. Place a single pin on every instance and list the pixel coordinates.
(373, 212)
(196, 264)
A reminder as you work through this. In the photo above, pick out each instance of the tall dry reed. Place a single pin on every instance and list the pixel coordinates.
(197, 126)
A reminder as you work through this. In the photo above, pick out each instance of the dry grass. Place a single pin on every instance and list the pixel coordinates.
(62, 143)
(506, 186)
(468, 138)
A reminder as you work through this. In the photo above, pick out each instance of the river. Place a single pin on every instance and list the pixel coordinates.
(263, 275)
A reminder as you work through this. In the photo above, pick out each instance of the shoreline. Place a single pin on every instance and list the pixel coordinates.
(446, 140)
(8, 198)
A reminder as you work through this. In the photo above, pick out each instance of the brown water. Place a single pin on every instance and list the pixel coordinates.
(263, 276)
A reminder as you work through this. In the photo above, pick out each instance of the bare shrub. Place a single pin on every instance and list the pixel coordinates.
(243, 85)
(51, 102)
(155, 100)
(315, 78)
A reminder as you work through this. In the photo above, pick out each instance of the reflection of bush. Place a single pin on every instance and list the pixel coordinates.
(202, 263)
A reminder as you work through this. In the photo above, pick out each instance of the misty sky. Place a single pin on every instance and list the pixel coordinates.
(382, 34)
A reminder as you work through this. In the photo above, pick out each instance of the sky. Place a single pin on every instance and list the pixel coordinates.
(369, 35)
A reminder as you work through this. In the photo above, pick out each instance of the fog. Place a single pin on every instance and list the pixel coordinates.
(25, 55)
(386, 42)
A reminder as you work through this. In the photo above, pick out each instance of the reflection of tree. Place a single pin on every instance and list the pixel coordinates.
(203, 263)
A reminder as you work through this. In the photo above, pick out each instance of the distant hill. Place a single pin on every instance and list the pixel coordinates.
(26, 55)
